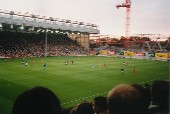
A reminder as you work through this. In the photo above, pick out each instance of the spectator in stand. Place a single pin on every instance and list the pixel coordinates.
(124, 99)
(100, 105)
(160, 97)
(38, 100)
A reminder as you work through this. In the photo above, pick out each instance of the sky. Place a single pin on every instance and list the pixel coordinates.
(146, 17)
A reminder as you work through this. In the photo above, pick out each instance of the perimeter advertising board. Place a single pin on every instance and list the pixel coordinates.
(129, 53)
(103, 52)
(161, 55)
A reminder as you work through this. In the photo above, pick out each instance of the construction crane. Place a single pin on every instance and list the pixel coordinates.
(127, 5)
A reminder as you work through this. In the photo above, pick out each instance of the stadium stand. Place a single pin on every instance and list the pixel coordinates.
(13, 44)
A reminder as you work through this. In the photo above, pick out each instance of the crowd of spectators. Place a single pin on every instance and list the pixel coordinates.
(121, 99)
(13, 44)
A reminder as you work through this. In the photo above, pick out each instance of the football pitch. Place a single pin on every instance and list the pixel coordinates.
(86, 78)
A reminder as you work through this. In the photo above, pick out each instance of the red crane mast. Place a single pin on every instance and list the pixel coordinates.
(127, 5)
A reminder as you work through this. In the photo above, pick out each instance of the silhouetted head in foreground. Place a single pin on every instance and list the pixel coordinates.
(146, 97)
(160, 93)
(124, 99)
(84, 108)
(38, 100)
(100, 104)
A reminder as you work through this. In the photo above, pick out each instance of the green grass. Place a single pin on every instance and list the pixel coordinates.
(77, 82)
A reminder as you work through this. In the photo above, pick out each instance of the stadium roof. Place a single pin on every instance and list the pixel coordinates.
(36, 21)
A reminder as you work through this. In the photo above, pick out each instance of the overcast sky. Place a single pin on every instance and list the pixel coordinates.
(147, 16)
